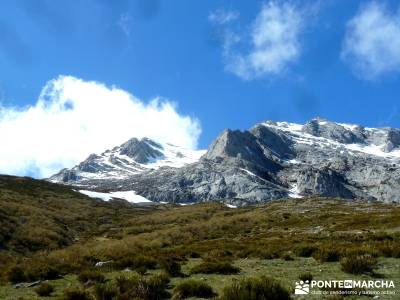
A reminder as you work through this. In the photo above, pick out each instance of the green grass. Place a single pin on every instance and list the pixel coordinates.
(49, 229)
(286, 272)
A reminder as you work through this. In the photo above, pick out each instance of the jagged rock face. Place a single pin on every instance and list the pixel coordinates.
(335, 132)
(323, 182)
(393, 139)
(208, 180)
(142, 151)
(268, 162)
(130, 158)
(242, 145)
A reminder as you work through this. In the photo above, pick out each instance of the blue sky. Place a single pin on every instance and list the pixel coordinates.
(228, 64)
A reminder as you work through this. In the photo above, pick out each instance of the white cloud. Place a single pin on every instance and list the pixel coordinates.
(372, 42)
(222, 16)
(274, 42)
(74, 118)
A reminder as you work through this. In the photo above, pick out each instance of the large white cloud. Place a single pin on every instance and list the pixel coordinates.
(74, 118)
(272, 45)
(372, 41)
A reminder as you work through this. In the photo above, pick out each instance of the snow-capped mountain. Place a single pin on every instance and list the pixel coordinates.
(272, 160)
(121, 162)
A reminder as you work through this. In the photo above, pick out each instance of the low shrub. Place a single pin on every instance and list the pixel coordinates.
(91, 276)
(192, 288)
(194, 254)
(47, 273)
(327, 254)
(358, 264)
(306, 277)
(136, 262)
(261, 288)
(135, 287)
(265, 254)
(44, 290)
(305, 251)
(141, 270)
(215, 267)
(171, 267)
(159, 280)
(361, 251)
(42, 271)
(218, 254)
(287, 256)
(389, 249)
(16, 274)
(105, 291)
(76, 294)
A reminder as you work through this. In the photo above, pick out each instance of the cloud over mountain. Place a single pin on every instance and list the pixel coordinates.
(73, 118)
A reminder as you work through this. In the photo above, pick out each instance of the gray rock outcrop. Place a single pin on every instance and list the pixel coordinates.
(268, 162)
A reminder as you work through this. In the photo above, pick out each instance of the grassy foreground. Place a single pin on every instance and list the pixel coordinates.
(54, 235)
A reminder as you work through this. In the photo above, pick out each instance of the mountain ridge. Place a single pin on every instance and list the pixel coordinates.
(270, 161)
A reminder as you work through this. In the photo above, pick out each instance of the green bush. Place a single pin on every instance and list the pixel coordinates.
(44, 289)
(42, 271)
(305, 251)
(389, 249)
(287, 256)
(48, 273)
(327, 254)
(135, 287)
(157, 287)
(358, 264)
(91, 276)
(215, 267)
(141, 270)
(171, 267)
(265, 254)
(76, 294)
(306, 277)
(194, 254)
(261, 288)
(218, 254)
(192, 288)
(159, 280)
(105, 291)
(136, 262)
(16, 274)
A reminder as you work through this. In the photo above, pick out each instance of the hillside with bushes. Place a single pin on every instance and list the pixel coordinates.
(59, 244)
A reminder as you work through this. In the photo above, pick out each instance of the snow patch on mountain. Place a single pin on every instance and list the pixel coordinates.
(296, 131)
(270, 161)
(131, 158)
(129, 196)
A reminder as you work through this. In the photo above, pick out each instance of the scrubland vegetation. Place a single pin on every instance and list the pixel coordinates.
(80, 248)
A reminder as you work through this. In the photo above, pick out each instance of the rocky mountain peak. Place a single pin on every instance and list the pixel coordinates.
(130, 158)
(342, 133)
(272, 160)
(141, 151)
(232, 143)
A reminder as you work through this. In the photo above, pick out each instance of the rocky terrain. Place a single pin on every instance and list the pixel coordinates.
(272, 160)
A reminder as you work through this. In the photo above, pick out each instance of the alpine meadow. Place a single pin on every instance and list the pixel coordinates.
(155, 149)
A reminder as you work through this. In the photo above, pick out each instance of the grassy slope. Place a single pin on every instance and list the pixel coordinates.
(36, 215)
(37, 218)
(286, 272)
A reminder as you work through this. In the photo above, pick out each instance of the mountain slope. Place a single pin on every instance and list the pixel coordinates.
(37, 215)
(121, 162)
(277, 160)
